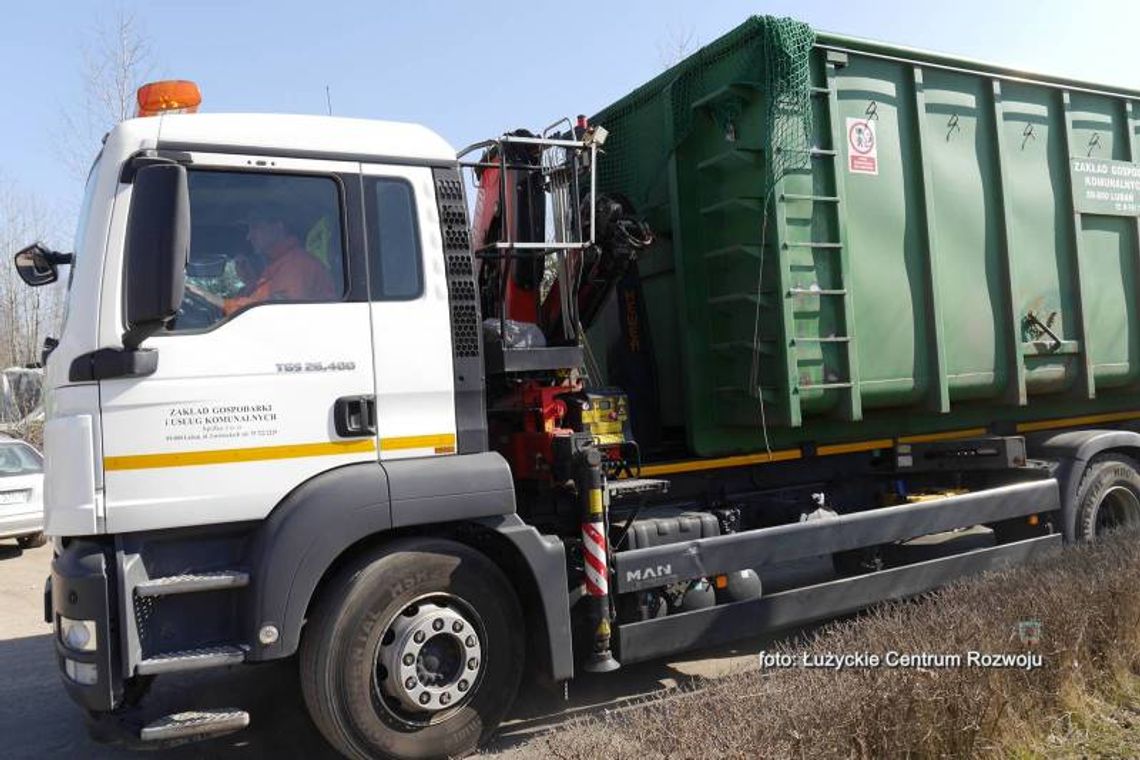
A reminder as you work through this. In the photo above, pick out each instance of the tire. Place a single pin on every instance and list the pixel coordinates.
(366, 619)
(31, 541)
(1108, 496)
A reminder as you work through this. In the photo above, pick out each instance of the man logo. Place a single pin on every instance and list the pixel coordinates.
(648, 573)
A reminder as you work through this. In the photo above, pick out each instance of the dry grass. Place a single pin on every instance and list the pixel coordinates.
(1087, 599)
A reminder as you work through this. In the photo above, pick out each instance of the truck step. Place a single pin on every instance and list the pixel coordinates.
(192, 659)
(194, 724)
(190, 583)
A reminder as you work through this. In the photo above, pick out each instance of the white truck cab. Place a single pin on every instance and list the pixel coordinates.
(246, 381)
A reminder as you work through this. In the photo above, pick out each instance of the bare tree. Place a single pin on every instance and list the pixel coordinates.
(27, 315)
(116, 60)
(679, 42)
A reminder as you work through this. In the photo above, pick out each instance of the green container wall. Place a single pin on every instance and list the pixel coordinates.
(920, 279)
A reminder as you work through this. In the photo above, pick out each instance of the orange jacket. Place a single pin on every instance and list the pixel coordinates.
(293, 274)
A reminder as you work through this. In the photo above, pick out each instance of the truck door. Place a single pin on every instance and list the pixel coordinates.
(265, 377)
(411, 328)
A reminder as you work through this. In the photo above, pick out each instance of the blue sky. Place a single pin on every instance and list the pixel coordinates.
(472, 69)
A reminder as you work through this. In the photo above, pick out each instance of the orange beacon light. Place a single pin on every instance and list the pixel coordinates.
(169, 96)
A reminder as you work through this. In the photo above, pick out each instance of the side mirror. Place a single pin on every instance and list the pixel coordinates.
(36, 265)
(158, 242)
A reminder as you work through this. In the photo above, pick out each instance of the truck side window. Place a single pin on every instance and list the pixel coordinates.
(394, 259)
(257, 237)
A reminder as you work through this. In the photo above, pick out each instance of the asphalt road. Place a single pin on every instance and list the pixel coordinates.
(38, 720)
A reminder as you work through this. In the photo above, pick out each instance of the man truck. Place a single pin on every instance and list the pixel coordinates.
(729, 356)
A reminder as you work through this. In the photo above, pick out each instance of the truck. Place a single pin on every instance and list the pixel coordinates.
(805, 323)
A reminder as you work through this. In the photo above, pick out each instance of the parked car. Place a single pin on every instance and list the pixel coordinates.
(21, 494)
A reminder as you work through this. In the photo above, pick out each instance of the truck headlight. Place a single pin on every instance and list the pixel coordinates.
(84, 673)
(77, 635)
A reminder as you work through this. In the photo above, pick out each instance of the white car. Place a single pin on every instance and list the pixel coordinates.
(21, 494)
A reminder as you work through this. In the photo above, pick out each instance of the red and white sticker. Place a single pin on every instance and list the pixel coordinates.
(594, 553)
(862, 146)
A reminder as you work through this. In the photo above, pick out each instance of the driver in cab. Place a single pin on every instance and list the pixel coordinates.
(291, 273)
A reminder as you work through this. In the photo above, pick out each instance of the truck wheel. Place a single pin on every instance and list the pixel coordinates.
(414, 651)
(1108, 496)
(32, 541)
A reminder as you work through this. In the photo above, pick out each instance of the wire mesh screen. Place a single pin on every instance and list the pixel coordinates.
(648, 124)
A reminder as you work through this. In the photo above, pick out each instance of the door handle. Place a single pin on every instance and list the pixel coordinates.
(355, 416)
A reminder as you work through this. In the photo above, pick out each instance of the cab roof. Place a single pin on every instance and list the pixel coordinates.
(290, 133)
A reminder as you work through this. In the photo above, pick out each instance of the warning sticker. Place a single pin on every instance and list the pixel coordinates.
(862, 147)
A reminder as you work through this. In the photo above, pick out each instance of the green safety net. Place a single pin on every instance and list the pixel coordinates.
(647, 126)
(787, 78)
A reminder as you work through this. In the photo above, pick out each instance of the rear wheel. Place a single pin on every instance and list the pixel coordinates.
(1108, 497)
(413, 652)
(32, 541)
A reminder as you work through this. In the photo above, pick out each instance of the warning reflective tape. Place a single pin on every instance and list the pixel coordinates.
(441, 443)
(697, 465)
(1092, 419)
(230, 456)
(594, 554)
(595, 582)
(399, 443)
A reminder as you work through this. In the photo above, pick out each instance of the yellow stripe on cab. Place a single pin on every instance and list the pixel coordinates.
(441, 443)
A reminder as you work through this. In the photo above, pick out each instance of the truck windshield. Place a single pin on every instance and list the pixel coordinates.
(257, 237)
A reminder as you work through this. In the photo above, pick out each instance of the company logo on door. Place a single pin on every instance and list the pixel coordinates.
(213, 421)
(862, 147)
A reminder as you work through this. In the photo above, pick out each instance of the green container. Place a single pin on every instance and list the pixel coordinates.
(955, 245)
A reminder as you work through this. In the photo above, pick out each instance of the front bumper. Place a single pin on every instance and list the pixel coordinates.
(82, 588)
